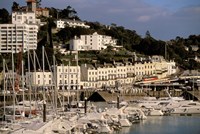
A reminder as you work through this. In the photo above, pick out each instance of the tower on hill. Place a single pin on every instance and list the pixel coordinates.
(31, 5)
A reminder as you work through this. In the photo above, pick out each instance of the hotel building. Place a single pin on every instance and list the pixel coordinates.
(92, 42)
(20, 35)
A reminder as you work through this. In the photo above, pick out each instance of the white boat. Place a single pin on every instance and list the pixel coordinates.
(134, 112)
(155, 112)
(104, 128)
(124, 122)
(20, 110)
(163, 103)
(4, 129)
(187, 108)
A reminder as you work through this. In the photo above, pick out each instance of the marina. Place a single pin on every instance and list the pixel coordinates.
(62, 75)
(105, 117)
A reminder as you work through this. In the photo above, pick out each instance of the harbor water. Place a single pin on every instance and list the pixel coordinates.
(165, 125)
(174, 124)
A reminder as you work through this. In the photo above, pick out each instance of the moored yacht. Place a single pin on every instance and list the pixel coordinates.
(187, 108)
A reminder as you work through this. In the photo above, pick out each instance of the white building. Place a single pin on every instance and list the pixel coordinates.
(21, 34)
(102, 76)
(17, 37)
(39, 79)
(68, 77)
(24, 18)
(112, 74)
(106, 75)
(71, 23)
(92, 42)
(78, 44)
(171, 68)
(60, 24)
(89, 76)
(121, 72)
(130, 72)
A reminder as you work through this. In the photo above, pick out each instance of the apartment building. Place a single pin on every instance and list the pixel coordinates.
(105, 75)
(102, 75)
(144, 68)
(121, 75)
(130, 72)
(39, 79)
(17, 37)
(89, 76)
(92, 42)
(156, 66)
(24, 18)
(21, 35)
(112, 74)
(68, 77)
(77, 44)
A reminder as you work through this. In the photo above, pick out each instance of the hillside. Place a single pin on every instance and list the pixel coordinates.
(179, 49)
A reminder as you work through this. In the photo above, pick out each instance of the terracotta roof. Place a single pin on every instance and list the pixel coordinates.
(40, 9)
(30, 1)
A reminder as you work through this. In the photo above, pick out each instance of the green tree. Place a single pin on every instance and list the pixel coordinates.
(15, 6)
(4, 16)
(54, 12)
(38, 3)
(69, 13)
(147, 35)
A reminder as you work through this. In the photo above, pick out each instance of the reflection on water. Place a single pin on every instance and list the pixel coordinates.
(160, 124)
(165, 125)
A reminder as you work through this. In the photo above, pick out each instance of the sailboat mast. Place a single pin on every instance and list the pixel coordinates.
(68, 82)
(44, 97)
(43, 70)
(23, 86)
(63, 88)
(34, 65)
(77, 78)
(4, 94)
(55, 83)
(13, 87)
(29, 85)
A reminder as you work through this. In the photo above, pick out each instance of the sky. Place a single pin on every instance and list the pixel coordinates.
(164, 19)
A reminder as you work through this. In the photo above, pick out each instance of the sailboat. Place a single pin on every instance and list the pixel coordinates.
(4, 127)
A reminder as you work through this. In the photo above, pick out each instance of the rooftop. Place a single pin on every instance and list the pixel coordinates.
(30, 0)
